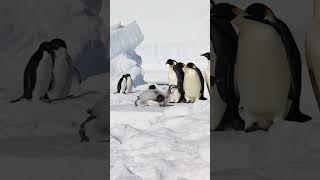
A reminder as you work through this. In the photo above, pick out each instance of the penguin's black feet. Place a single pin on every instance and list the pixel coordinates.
(202, 98)
(255, 127)
(298, 117)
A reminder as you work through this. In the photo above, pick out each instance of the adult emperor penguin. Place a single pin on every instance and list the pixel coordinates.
(178, 95)
(207, 73)
(38, 74)
(62, 70)
(262, 72)
(192, 83)
(224, 44)
(125, 84)
(312, 51)
(172, 77)
(263, 13)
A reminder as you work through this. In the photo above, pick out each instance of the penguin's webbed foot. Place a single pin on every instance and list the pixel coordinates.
(298, 117)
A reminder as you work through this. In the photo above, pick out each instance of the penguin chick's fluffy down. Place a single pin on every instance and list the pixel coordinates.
(153, 96)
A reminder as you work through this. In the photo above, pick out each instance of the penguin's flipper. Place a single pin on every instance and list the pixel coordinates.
(51, 83)
(77, 74)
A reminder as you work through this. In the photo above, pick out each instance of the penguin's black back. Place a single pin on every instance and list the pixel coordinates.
(180, 76)
(119, 84)
(30, 74)
(202, 83)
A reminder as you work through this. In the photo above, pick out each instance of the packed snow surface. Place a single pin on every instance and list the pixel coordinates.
(159, 143)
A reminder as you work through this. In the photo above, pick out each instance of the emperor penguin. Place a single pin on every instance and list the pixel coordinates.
(224, 44)
(192, 83)
(207, 73)
(38, 74)
(312, 51)
(262, 71)
(264, 14)
(125, 84)
(62, 70)
(172, 77)
(98, 117)
(155, 97)
(178, 95)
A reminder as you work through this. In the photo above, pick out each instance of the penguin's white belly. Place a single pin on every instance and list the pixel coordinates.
(43, 76)
(129, 85)
(263, 74)
(219, 107)
(62, 73)
(172, 77)
(208, 77)
(175, 97)
(192, 85)
(313, 53)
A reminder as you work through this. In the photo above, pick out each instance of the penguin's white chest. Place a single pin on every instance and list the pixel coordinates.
(172, 77)
(123, 85)
(43, 76)
(263, 74)
(191, 84)
(62, 75)
(128, 85)
(207, 76)
(313, 53)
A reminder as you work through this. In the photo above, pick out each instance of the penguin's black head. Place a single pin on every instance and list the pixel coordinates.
(259, 11)
(171, 62)
(191, 65)
(225, 11)
(152, 87)
(127, 75)
(212, 4)
(207, 55)
(57, 43)
(172, 88)
(45, 46)
(179, 65)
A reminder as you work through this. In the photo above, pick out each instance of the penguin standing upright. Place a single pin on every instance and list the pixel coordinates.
(312, 51)
(264, 14)
(224, 44)
(207, 74)
(192, 83)
(38, 74)
(62, 71)
(172, 77)
(125, 84)
(262, 72)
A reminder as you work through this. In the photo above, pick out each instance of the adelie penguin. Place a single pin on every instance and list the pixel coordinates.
(38, 74)
(193, 83)
(63, 71)
(262, 13)
(176, 77)
(125, 84)
(207, 73)
(313, 52)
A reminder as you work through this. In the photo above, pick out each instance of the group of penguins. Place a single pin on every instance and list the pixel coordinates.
(185, 81)
(257, 69)
(48, 77)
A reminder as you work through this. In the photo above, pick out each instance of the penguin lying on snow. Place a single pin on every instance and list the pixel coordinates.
(125, 84)
(193, 83)
(153, 96)
(98, 114)
(38, 74)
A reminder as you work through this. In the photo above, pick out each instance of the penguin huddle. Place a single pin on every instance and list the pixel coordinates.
(48, 74)
(257, 71)
(188, 79)
(125, 84)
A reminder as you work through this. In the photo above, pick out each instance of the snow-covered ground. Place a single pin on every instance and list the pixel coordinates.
(288, 150)
(159, 143)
